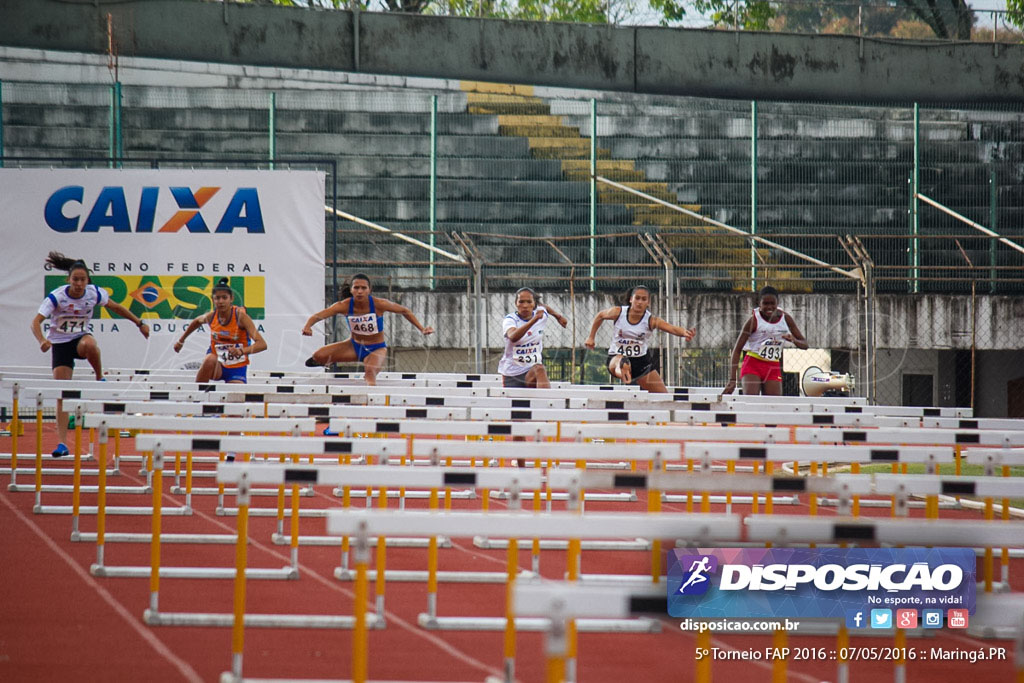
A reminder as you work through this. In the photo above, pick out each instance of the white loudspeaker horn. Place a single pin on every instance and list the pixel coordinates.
(816, 382)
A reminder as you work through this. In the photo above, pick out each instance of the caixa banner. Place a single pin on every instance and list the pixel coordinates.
(157, 240)
(818, 582)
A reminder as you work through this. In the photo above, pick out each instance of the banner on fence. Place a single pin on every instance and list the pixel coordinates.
(157, 241)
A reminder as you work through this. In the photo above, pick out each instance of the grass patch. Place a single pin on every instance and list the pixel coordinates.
(966, 469)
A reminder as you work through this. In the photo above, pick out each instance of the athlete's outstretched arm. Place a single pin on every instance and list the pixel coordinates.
(334, 309)
(392, 307)
(125, 313)
(516, 333)
(734, 361)
(37, 331)
(192, 327)
(562, 320)
(795, 335)
(664, 326)
(606, 314)
(257, 343)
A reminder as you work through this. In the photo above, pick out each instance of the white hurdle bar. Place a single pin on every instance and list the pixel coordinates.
(696, 528)
(560, 602)
(789, 529)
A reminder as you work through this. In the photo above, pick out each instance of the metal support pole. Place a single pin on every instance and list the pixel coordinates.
(114, 141)
(915, 226)
(593, 194)
(993, 221)
(272, 129)
(433, 186)
(753, 193)
(673, 319)
(869, 332)
(1, 124)
(478, 316)
(334, 239)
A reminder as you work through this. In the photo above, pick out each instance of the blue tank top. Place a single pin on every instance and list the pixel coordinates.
(366, 324)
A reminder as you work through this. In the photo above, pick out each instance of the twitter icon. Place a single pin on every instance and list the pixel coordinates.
(881, 618)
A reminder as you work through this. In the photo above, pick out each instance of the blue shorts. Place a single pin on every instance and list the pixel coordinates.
(364, 350)
(234, 374)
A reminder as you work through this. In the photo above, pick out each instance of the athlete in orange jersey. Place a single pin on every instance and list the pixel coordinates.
(233, 338)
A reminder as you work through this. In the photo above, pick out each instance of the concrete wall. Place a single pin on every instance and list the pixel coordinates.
(634, 59)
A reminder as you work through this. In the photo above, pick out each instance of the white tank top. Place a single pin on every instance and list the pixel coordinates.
(628, 339)
(765, 341)
(521, 355)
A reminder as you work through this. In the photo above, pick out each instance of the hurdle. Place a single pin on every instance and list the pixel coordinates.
(149, 422)
(698, 528)
(560, 603)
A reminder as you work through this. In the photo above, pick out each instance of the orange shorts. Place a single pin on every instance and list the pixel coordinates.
(767, 371)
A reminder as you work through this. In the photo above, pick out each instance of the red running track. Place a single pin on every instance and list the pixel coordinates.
(57, 622)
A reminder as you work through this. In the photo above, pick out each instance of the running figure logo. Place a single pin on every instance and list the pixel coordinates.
(697, 581)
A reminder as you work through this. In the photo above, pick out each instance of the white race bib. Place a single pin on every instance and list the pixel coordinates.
(225, 358)
(771, 350)
(630, 348)
(363, 324)
(72, 324)
(526, 355)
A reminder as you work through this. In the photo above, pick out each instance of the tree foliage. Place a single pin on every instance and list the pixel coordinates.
(950, 19)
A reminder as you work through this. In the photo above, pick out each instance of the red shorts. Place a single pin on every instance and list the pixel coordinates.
(767, 371)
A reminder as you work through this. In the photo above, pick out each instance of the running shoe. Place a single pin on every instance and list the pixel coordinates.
(60, 451)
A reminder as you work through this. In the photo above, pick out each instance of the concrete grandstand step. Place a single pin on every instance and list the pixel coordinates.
(487, 211)
(455, 168)
(482, 189)
(696, 124)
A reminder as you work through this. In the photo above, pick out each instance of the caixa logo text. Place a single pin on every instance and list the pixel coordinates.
(66, 211)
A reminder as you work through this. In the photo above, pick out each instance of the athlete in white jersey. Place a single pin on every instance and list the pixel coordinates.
(522, 364)
(629, 357)
(761, 340)
(366, 342)
(70, 309)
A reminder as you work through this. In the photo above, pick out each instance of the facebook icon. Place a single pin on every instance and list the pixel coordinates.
(855, 618)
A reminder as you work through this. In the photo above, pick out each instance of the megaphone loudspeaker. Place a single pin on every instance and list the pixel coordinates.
(816, 382)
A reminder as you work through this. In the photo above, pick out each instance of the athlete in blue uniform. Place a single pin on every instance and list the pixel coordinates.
(366, 344)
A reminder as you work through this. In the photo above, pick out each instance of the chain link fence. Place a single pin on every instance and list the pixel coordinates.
(867, 218)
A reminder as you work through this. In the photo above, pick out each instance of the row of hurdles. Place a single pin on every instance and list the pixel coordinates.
(687, 461)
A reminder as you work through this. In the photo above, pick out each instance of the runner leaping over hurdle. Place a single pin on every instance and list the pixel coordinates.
(233, 338)
(363, 314)
(629, 358)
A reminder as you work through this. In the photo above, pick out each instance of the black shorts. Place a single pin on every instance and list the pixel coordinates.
(65, 353)
(638, 365)
(514, 380)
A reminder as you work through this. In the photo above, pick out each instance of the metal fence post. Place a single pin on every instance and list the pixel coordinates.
(272, 128)
(753, 193)
(593, 194)
(915, 224)
(433, 186)
(478, 316)
(116, 145)
(993, 224)
(1, 124)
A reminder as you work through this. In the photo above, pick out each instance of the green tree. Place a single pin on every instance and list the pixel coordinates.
(951, 19)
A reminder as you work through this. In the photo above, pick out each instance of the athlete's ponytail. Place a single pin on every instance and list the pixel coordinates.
(59, 261)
